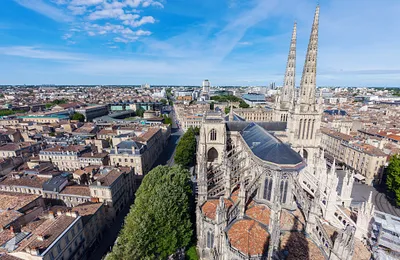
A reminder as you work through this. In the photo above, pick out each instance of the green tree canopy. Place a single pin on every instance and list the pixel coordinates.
(140, 112)
(159, 222)
(78, 116)
(393, 177)
(167, 120)
(212, 106)
(186, 149)
(164, 101)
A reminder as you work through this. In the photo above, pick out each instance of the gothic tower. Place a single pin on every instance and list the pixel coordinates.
(286, 96)
(305, 116)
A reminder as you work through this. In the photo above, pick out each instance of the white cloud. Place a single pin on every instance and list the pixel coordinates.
(106, 14)
(77, 10)
(38, 53)
(45, 9)
(124, 13)
(141, 21)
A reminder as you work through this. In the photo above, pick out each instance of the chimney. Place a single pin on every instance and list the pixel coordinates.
(74, 214)
(116, 149)
(40, 237)
(51, 215)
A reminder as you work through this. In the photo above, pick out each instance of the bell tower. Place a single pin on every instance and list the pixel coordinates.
(286, 96)
(305, 116)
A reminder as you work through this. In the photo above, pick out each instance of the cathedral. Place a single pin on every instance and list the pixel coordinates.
(265, 190)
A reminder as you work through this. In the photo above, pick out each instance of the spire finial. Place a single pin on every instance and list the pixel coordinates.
(308, 79)
(289, 80)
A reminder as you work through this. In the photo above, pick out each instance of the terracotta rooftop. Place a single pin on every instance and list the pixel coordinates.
(15, 201)
(28, 181)
(109, 178)
(87, 208)
(76, 190)
(94, 155)
(361, 252)
(86, 170)
(70, 148)
(260, 213)
(13, 147)
(8, 216)
(292, 220)
(209, 208)
(336, 134)
(50, 229)
(298, 247)
(249, 237)
(5, 235)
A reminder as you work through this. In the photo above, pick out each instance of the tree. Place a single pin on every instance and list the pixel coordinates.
(78, 116)
(163, 101)
(159, 223)
(393, 177)
(167, 120)
(212, 106)
(243, 104)
(227, 109)
(140, 112)
(186, 149)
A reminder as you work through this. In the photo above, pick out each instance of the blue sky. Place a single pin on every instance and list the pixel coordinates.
(230, 42)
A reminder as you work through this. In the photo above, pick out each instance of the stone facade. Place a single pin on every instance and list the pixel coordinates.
(260, 198)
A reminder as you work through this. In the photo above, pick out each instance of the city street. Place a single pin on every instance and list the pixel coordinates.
(166, 158)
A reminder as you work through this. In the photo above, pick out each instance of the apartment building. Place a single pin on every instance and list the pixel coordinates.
(66, 158)
(367, 160)
(140, 152)
(258, 114)
(50, 237)
(93, 111)
(115, 188)
(19, 149)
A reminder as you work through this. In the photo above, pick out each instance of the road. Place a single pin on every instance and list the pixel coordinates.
(166, 158)
(360, 193)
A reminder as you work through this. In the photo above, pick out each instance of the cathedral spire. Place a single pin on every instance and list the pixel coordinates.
(288, 88)
(308, 79)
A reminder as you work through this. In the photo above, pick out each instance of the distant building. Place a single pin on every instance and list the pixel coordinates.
(93, 111)
(254, 99)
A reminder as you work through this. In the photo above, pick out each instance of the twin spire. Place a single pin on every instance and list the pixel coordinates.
(308, 79)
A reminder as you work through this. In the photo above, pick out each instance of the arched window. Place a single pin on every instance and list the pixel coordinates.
(267, 188)
(213, 135)
(210, 239)
(283, 190)
(212, 155)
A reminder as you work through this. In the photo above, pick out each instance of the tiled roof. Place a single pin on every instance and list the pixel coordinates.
(71, 148)
(76, 190)
(298, 247)
(209, 208)
(361, 252)
(292, 220)
(49, 230)
(87, 208)
(249, 237)
(28, 181)
(336, 134)
(260, 213)
(94, 155)
(15, 201)
(8, 216)
(109, 178)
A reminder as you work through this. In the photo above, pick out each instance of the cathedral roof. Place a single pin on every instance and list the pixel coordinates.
(297, 246)
(236, 126)
(249, 237)
(270, 149)
(209, 208)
